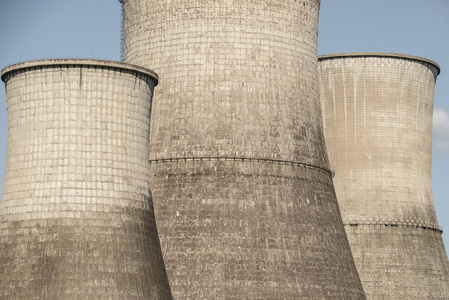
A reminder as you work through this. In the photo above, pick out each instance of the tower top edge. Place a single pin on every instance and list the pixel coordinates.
(78, 62)
(379, 54)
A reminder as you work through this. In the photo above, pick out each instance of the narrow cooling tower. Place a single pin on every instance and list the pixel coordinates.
(377, 113)
(243, 194)
(76, 215)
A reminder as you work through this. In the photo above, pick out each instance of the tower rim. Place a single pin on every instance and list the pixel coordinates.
(379, 54)
(78, 62)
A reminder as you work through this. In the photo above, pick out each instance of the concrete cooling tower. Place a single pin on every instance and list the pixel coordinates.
(76, 215)
(377, 114)
(243, 194)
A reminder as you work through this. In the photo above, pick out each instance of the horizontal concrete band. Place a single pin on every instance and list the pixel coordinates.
(379, 54)
(431, 227)
(78, 63)
(244, 159)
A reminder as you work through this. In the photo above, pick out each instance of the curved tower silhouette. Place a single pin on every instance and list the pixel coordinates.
(76, 216)
(377, 114)
(243, 194)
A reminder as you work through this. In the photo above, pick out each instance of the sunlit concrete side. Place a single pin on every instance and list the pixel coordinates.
(377, 115)
(242, 189)
(76, 215)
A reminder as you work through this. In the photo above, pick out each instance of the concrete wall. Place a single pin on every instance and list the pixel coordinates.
(242, 190)
(377, 114)
(76, 215)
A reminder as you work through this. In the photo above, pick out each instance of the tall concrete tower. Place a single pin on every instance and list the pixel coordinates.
(76, 216)
(377, 114)
(242, 189)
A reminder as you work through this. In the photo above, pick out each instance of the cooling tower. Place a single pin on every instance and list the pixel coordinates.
(76, 214)
(243, 194)
(377, 114)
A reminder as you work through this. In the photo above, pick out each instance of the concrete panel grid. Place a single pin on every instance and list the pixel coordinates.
(242, 188)
(76, 216)
(377, 114)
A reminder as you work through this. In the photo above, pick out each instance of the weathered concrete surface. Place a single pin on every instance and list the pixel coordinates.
(76, 215)
(400, 262)
(243, 196)
(377, 114)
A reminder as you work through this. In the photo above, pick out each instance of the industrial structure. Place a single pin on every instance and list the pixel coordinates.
(76, 217)
(242, 189)
(377, 114)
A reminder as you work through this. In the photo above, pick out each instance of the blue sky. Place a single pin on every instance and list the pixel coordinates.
(31, 29)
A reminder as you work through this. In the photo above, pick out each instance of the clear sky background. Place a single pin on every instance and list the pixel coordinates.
(38, 29)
